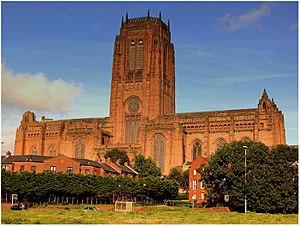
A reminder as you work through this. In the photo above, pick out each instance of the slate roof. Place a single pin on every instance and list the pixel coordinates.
(88, 162)
(127, 169)
(109, 168)
(23, 158)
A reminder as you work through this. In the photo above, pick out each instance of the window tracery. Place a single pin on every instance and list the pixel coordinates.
(159, 151)
(79, 148)
(197, 148)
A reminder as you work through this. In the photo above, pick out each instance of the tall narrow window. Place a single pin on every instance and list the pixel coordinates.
(220, 143)
(132, 55)
(159, 151)
(132, 121)
(79, 149)
(34, 151)
(140, 54)
(53, 151)
(197, 150)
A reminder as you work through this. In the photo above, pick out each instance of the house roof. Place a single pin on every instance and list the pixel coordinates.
(23, 158)
(127, 169)
(109, 168)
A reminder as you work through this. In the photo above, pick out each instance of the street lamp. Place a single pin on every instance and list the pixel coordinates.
(245, 149)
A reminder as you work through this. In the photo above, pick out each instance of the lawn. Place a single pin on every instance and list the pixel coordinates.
(151, 215)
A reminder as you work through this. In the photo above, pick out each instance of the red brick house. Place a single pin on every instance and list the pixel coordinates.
(197, 190)
(62, 163)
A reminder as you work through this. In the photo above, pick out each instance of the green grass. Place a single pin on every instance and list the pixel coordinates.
(155, 215)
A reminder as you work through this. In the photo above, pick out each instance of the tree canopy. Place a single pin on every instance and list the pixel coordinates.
(182, 177)
(117, 155)
(271, 178)
(146, 167)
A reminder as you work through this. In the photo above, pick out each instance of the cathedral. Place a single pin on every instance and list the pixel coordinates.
(142, 118)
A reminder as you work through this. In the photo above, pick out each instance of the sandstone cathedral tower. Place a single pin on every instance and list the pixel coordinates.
(142, 117)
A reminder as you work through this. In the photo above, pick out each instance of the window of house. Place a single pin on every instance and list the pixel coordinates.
(33, 168)
(53, 168)
(202, 195)
(195, 172)
(70, 170)
(87, 171)
(22, 168)
(194, 184)
(95, 172)
(202, 184)
(5, 168)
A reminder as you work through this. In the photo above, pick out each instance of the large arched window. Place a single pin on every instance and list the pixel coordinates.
(79, 149)
(132, 55)
(197, 149)
(132, 119)
(52, 151)
(245, 139)
(159, 151)
(140, 54)
(220, 143)
(34, 150)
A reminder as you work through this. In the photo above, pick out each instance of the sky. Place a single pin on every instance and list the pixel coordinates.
(57, 57)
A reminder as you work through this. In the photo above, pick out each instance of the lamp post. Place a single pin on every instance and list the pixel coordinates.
(245, 149)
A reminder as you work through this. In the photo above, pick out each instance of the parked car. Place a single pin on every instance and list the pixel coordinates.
(90, 208)
(17, 207)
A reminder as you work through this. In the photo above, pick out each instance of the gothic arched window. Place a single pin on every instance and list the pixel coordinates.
(197, 149)
(132, 55)
(79, 149)
(220, 143)
(245, 139)
(140, 54)
(34, 150)
(52, 151)
(132, 119)
(159, 151)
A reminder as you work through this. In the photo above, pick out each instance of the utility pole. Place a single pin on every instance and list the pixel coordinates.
(245, 149)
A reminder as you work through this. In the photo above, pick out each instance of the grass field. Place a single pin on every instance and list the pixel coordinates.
(151, 215)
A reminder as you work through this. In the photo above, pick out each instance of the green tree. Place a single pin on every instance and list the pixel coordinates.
(181, 177)
(117, 155)
(270, 178)
(146, 167)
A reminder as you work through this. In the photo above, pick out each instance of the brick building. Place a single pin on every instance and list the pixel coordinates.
(142, 116)
(197, 190)
(64, 164)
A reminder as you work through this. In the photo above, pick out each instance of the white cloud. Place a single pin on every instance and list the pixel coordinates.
(293, 26)
(35, 92)
(252, 17)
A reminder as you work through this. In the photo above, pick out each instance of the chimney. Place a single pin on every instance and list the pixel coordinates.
(7, 153)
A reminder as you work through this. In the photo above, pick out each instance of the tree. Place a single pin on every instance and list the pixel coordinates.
(146, 167)
(117, 155)
(270, 185)
(181, 177)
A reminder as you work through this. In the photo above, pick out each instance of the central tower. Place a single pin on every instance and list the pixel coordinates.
(143, 76)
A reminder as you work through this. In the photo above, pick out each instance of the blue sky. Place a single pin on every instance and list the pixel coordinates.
(226, 53)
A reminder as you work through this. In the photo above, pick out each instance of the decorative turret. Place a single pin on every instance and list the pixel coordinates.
(264, 95)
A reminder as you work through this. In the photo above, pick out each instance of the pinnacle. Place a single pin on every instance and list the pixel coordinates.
(264, 95)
